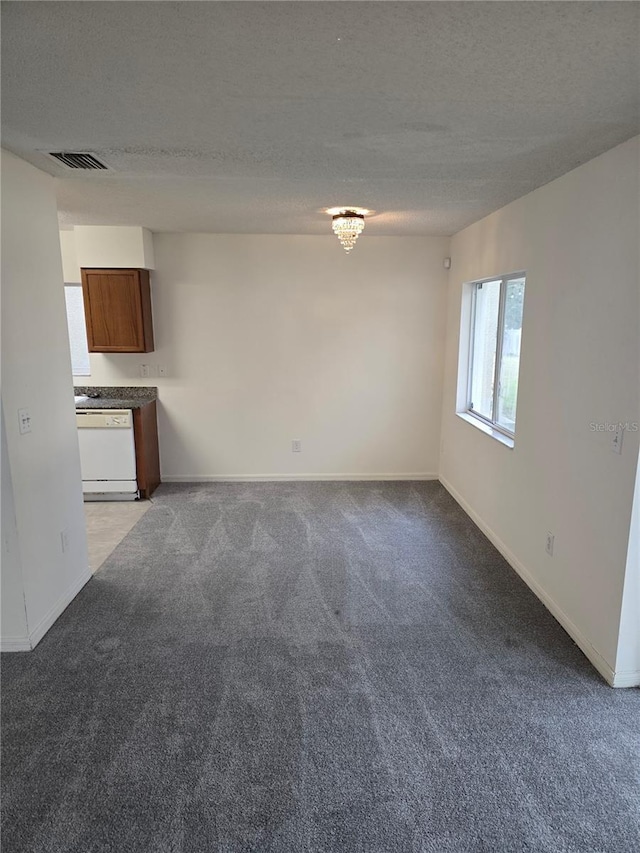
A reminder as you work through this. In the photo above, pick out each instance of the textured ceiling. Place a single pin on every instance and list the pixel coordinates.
(253, 117)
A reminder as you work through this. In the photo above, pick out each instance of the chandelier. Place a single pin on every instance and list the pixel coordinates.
(347, 224)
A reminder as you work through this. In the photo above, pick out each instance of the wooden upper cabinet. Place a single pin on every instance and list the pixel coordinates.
(117, 307)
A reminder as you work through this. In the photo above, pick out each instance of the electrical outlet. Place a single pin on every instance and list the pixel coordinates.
(145, 371)
(296, 446)
(616, 439)
(549, 544)
(64, 540)
(24, 421)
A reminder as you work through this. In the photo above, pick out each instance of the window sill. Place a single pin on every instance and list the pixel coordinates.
(487, 429)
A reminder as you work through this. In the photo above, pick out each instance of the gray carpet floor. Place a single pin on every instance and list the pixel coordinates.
(313, 667)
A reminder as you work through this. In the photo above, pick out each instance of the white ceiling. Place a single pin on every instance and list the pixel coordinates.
(252, 117)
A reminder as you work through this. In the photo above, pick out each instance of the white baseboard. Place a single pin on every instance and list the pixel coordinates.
(630, 678)
(615, 679)
(15, 644)
(266, 478)
(25, 644)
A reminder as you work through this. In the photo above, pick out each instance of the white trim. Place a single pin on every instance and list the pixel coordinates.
(630, 678)
(621, 679)
(61, 605)
(259, 478)
(487, 429)
(15, 644)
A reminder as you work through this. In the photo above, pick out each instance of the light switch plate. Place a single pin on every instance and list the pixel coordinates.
(616, 439)
(24, 421)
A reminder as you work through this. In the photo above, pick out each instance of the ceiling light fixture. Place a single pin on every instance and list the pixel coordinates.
(348, 224)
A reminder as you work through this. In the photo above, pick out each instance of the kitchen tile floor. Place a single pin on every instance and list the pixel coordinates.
(108, 522)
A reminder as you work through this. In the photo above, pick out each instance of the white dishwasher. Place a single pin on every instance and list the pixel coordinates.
(107, 454)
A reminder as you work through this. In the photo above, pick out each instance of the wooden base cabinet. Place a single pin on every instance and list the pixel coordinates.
(145, 435)
(117, 308)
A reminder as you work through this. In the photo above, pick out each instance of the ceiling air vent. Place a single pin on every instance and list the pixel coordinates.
(77, 159)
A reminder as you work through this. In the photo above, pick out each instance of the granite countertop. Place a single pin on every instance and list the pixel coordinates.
(115, 397)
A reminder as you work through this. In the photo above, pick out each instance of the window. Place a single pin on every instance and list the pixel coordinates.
(494, 351)
(80, 365)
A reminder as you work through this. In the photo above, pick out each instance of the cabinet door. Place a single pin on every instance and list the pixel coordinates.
(115, 304)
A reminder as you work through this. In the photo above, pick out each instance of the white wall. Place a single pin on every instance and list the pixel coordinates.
(126, 246)
(70, 266)
(577, 239)
(266, 339)
(36, 374)
(628, 660)
(13, 626)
